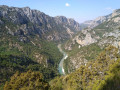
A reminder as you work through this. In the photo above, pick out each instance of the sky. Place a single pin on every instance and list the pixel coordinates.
(80, 10)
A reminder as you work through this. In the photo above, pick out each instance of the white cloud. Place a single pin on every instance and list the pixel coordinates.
(67, 4)
(109, 9)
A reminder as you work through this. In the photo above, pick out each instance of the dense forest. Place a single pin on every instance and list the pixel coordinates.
(101, 74)
(21, 56)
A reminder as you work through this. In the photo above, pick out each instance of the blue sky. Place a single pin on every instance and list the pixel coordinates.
(80, 10)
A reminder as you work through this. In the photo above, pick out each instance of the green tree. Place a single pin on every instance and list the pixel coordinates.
(27, 81)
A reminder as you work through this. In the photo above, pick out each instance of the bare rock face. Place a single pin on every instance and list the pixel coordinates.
(101, 32)
(117, 19)
(67, 22)
(116, 12)
(108, 25)
(86, 41)
(96, 22)
(34, 22)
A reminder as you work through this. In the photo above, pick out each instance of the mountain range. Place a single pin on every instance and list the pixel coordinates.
(101, 19)
(33, 22)
(28, 47)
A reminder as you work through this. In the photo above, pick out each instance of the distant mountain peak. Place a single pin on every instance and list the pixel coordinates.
(101, 19)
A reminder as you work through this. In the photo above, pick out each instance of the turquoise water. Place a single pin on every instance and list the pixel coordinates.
(61, 68)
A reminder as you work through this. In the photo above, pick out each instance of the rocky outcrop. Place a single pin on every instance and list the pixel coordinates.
(102, 32)
(97, 21)
(34, 22)
(87, 40)
(68, 23)
(108, 25)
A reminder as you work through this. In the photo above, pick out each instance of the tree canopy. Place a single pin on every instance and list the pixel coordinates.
(27, 81)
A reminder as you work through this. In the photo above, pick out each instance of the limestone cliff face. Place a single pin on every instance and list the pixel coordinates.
(68, 23)
(34, 22)
(86, 41)
(105, 25)
(102, 32)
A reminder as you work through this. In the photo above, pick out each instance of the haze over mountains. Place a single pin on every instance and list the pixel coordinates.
(101, 19)
(29, 40)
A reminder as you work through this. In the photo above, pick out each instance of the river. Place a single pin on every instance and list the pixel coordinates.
(65, 56)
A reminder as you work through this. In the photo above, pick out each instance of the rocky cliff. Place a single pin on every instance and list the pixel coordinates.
(32, 34)
(33, 22)
(89, 42)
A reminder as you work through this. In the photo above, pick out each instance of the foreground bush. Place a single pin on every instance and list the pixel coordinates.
(27, 81)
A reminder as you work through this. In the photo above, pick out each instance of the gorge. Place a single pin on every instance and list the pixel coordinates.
(58, 52)
(61, 64)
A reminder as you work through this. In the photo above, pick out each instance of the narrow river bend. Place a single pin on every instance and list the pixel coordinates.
(65, 56)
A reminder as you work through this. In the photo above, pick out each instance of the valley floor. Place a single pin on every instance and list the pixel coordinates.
(65, 56)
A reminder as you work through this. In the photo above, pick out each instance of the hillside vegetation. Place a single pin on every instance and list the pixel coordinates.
(27, 81)
(29, 56)
(100, 74)
(32, 53)
(89, 42)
